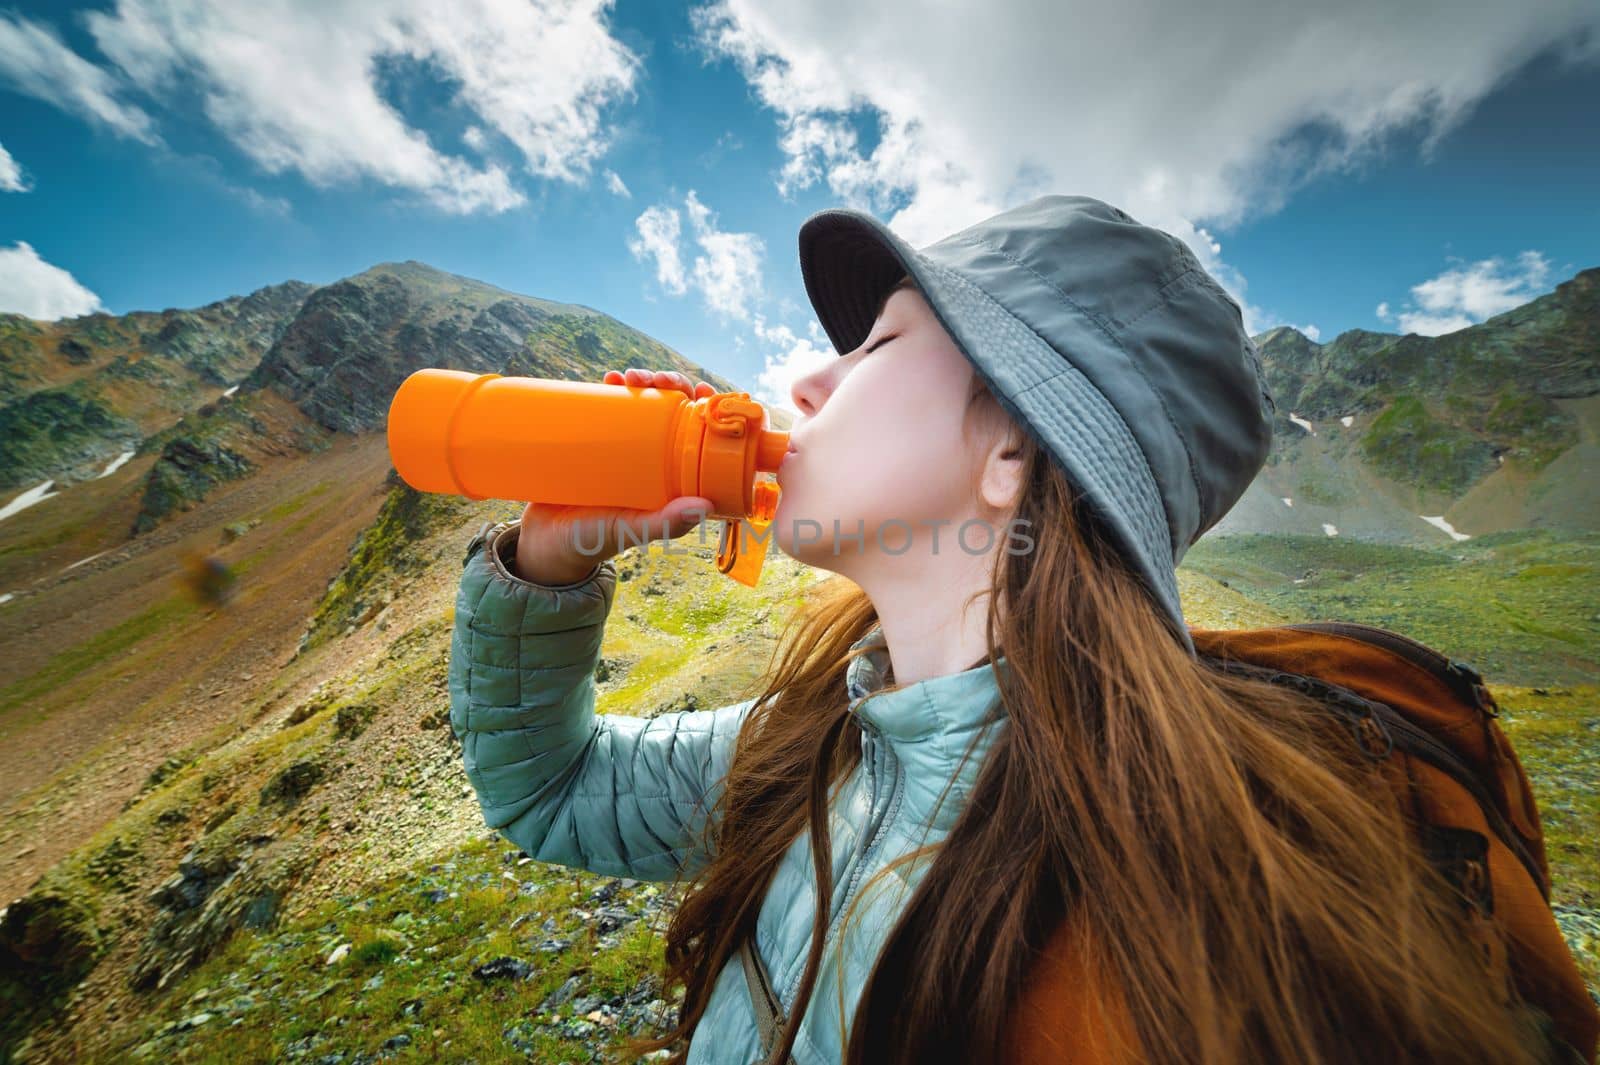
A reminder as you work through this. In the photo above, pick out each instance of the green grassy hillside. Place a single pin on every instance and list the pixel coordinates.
(359, 910)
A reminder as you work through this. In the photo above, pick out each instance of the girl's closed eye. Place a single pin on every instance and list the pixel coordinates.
(881, 343)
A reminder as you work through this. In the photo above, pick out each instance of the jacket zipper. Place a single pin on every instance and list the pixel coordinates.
(877, 829)
(877, 825)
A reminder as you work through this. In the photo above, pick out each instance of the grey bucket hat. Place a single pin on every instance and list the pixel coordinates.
(1104, 338)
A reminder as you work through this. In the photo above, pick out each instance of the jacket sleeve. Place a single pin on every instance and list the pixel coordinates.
(613, 794)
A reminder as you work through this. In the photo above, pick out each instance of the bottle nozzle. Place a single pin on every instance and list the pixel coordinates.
(770, 449)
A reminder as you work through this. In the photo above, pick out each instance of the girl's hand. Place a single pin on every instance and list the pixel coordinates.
(548, 543)
(658, 379)
(557, 542)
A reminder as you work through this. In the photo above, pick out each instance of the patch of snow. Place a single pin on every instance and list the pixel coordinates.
(6, 598)
(1331, 530)
(1302, 423)
(1288, 502)
(1502, 459)
(116, 464)
(231, 391)
(36, 494)
(1348, 420)
(81, 561)
(1440, 523)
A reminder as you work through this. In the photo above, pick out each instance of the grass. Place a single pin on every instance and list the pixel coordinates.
(279, 511)
(408, 972)
(82, 664)
(1519, 607)
(1556, 733)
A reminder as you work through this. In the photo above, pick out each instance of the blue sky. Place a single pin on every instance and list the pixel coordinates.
(1437, 164)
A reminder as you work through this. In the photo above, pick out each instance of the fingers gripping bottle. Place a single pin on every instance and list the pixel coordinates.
(532, 439)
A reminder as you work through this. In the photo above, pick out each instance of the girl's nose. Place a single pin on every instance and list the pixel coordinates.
(807, 393)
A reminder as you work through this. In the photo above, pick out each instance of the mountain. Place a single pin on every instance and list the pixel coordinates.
(341, 358)
(156, 605)
(235, 825)
(353, 343)
(74, 394)
(1413, 438)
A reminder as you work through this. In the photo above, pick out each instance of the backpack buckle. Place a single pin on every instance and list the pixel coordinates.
(1374, 739)
(1472, 683)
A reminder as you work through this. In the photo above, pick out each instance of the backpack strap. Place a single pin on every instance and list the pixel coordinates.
(1380, 729)
(769, 1010)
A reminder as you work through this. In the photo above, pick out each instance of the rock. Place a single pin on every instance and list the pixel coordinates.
(522, 1036)
(291, 784)
(351, 720)
(338, 954)
(323, 990)
(52, 940)
(189, 467)
(220, 886)
(503, 968)
(685, 701)
(560, 995)
(612, 918)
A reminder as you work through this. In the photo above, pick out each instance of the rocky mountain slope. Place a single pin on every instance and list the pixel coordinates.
(1412, 438)
(76, 394)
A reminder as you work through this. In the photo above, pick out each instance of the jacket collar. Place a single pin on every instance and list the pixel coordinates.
(929, 724)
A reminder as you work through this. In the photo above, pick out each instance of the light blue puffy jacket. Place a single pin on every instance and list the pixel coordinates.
(624, 796)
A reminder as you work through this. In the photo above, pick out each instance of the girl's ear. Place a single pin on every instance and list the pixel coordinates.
(1001, 479)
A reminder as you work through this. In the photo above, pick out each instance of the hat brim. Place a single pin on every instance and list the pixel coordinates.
(848, 259)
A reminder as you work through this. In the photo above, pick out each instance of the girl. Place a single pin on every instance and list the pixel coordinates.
(990, 805)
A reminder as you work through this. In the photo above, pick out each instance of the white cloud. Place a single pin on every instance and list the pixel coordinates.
(296, 84)
(727, 272)
(11, 179)
(38, 63)
(658, 240)
(1466, 295)
(1383, 311)
(794, 358)
(32, 287)
(614, 183)
(1047, 99)
(258, 201)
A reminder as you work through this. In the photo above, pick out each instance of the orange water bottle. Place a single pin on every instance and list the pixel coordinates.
(533, 439)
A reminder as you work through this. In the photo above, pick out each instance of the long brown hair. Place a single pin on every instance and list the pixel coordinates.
(1245, 880)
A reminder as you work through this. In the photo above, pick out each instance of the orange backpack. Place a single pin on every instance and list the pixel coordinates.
(1431, 724)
